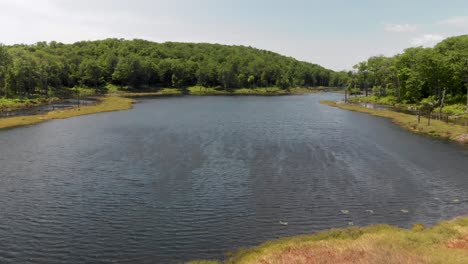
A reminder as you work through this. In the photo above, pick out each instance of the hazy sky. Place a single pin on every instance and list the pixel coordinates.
(335, 34)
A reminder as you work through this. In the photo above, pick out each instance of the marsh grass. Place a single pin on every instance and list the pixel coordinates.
(160, 93)
(267, 91)
(200, 90)
(11, 104)
(443, 243)
(386, 100)
(106, 104)
(437, 128)
(261, 91)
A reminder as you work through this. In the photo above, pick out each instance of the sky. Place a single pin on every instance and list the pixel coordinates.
(333, 33)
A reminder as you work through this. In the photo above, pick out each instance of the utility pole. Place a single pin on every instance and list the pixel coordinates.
(466, 83)
(345, 94)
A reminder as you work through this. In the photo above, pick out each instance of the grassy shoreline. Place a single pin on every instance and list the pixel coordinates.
(166, 92)
(446, 242)
(122, 100)
(7, 105)
(106, 104)
(437, 128)
(271, 91)
(453, 109)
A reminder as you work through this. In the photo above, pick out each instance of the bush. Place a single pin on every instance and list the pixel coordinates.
(455, 109)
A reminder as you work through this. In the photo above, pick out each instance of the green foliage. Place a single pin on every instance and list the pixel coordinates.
(52, 68)
(8, 104)
(455, 109)
(381, 100)
(437, 128)
(418, 73)
(201, 90)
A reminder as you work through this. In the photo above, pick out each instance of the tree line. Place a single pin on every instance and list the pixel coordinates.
(432, 74)
(45, 68)
(48, 68)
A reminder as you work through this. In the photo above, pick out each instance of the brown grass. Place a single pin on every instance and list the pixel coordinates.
(460, 243)
(360, 251)
(106, 104)
(445, 243)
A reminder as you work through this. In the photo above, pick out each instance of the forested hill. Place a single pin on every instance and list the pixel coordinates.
(418, 74)
(139, 64)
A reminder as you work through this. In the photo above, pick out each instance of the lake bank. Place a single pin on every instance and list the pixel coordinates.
(271, 91)
(451, 109)
(437, 128)
(105, 104)
(7, 105)
(119, 100)
(446, 242)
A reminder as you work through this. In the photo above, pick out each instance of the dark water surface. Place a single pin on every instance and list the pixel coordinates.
(194, 177)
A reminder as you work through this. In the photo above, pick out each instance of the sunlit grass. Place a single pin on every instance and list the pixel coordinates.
(106, 104)
(444, 243)
(261, 91)
(160, 92)
(437, 128)
(201, 90)
(384, 100)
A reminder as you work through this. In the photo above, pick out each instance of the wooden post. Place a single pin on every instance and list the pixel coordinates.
(419, 116)
(429, 119)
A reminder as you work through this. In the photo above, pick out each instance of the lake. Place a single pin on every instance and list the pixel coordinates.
(184, 178)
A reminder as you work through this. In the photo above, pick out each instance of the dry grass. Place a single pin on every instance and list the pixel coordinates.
(437, 128)
(459, 243)
(106, 104)
(444, 243)
(360, 251)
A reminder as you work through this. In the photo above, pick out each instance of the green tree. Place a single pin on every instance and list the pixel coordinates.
(91, 73)
(5, 61)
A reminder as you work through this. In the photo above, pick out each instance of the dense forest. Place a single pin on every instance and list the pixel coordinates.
(435, 75)
(46, 68)
(438, 74)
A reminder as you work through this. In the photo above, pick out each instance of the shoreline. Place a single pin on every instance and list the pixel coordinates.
(203, 91)
(28, 104)
(122, 101)
(445, 242)
(437, 129)
(106, 104)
